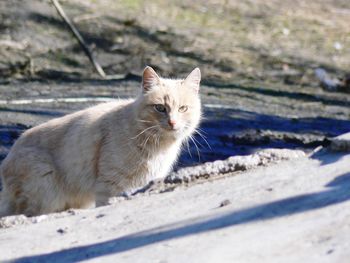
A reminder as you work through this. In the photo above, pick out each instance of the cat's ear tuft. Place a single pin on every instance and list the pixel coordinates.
(193, 79)
(149, 79)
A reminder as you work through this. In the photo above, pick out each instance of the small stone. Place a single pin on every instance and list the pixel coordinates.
(38, 219)
(341, 143)
(15, 220)
(330, 251)
(337, 45)
(62, 231)
(285, 31)
(100, 215)
(225, 203)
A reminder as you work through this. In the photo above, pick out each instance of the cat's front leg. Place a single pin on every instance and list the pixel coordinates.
(104, 190)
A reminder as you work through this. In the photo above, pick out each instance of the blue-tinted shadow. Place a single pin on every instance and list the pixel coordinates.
(337, 192)
(221, 124)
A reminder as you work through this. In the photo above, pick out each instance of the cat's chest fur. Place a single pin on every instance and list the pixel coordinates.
(136, 164)
(160, 164)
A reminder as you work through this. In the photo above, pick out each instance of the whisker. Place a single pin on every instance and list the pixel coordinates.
(144, 144)
(201, 145)
(156, 141)
(154, 126)
(204, 138)
(201, 130)
(188, 148)
(199, 157)
(146, 140)
(140, 120)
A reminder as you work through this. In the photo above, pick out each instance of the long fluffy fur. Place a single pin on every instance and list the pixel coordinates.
(90, 155)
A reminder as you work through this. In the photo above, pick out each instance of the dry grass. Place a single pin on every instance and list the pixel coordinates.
(231, 40)
(248, 36)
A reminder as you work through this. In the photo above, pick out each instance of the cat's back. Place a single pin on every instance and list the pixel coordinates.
(52, 132)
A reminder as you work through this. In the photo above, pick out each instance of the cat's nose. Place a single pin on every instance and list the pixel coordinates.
(172, 123)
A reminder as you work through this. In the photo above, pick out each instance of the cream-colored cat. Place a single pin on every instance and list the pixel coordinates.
(93, 154)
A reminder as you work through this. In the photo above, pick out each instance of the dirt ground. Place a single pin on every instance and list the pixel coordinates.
(258, 91)
(232, 41)
(257, 58)
(292, 211)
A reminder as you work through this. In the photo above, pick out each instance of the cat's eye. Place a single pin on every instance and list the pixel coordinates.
(160, 108)
(183, 108)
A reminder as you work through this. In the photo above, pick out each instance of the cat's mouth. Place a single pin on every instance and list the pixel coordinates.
(172, 131)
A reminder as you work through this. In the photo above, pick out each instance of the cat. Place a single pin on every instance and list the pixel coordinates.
(93, 154)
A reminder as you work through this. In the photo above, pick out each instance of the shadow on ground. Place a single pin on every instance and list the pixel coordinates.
(53, 114)
(300, 96)
(226, 132)
(232, 132)
(337, 191)
(8, 135)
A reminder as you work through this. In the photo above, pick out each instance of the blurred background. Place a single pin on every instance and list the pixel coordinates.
(258, 60)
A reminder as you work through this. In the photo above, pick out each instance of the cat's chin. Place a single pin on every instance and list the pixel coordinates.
(173, 133)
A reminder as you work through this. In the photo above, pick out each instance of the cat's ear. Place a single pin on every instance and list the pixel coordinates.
(193, 79)
(149, 79)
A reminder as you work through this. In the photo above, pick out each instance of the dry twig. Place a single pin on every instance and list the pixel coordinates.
(80, 39)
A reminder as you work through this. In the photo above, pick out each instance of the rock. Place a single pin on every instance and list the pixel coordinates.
(38, 219)
(325, 81)
(62, 230)
(341, 143)
(232, 164)
(225, 202)
(10, 221)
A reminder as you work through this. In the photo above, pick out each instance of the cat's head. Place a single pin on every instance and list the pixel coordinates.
(171, 106)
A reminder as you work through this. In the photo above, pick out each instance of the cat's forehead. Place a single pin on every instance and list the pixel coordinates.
(171, 83)
(171, 91)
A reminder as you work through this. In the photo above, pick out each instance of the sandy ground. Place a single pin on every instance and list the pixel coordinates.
(259, 91)
(290, 211)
